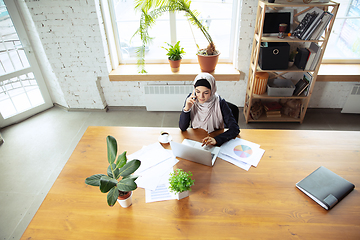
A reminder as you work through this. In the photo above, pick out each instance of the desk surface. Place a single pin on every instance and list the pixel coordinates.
(226, 202)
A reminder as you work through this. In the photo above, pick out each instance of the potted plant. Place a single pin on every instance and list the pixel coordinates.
(292, 58)
(174, 54)
(180, 183)
(120, 190)
(152, 9)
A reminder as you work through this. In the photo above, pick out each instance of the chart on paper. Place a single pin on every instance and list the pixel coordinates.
(243, 151)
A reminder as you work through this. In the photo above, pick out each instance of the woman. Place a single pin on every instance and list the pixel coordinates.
(205, 109)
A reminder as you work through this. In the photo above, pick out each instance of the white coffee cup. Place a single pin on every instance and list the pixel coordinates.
(164, 137)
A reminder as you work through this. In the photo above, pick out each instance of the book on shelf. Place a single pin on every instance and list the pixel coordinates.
(270, 106)
(308, 77)
(272, 109)
(273, 113)
(301, 57)
(322, 26)
(319, 13)
(305, 23)
(300, 87)
(314, 54)
(310, 59)
(273, 116)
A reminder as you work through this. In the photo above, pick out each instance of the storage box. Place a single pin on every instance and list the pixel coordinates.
(261, 79)
(274, 55)
(280, 87)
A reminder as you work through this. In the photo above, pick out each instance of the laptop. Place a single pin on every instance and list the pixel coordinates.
(192, 151)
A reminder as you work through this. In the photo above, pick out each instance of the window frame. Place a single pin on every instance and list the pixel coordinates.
(340, 61)
(113, 39)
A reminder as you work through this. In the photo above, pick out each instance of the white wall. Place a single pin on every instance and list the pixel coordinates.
(71, 33)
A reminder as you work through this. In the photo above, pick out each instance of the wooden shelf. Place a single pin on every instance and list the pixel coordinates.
(265, 96)
(291, 69)
(286, 39)
(251, 98)
(283, 118)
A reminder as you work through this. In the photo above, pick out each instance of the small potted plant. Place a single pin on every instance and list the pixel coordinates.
(175, 54)
(120, 190)
(180, 183)
(292, 58)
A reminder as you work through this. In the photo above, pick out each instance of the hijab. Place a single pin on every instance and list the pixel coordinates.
(207, 115)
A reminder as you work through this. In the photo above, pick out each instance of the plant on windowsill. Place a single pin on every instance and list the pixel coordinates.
(180, 183)
(117, 190)
(174, 54)
(152, 9)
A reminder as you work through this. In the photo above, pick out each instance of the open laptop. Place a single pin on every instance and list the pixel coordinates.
(192, 151)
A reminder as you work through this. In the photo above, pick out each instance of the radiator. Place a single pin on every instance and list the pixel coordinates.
(352, 104)
(166, 97)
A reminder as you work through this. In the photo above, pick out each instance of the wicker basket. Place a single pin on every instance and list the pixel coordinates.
(256, 110)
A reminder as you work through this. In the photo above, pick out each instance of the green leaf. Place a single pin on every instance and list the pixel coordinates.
(126, 185)
(94, 180)
(121, 160)
(112, 196)
(133, 177)
(130, 167)
(180, 181)
(110, 169)
(106, 183)
(111, 148)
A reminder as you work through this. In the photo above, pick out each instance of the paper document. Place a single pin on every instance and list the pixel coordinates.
(156, 165)
(150, 178)
(161, 193)
(150, 156)
(238, 163)
(239, 151)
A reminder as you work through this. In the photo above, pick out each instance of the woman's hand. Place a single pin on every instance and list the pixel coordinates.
(208, 141)
(190, 101)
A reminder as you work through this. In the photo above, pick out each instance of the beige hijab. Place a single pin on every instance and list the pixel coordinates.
(207, 115)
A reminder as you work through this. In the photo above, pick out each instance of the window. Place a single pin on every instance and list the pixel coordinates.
(217, 15)
(344, 41)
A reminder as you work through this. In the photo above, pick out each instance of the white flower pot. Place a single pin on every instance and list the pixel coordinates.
(125, 202)
(182, 195)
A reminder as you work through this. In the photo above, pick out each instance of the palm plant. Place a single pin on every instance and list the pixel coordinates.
(152, 9)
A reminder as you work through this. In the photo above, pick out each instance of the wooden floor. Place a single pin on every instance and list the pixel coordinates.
(226, 202)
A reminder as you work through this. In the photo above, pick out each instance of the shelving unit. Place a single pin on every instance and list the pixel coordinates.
(250, 97)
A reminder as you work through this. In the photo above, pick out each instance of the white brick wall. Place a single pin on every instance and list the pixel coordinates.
(71, 32)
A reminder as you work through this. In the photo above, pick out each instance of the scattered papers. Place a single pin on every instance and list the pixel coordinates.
(241, 153)
(150, 156)
(156, 165)
(151, 177)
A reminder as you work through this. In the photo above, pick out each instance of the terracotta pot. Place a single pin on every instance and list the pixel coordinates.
(175, 65)
(208, 63)
(126, 200)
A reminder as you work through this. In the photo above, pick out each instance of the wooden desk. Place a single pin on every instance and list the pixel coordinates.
(226, 202)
